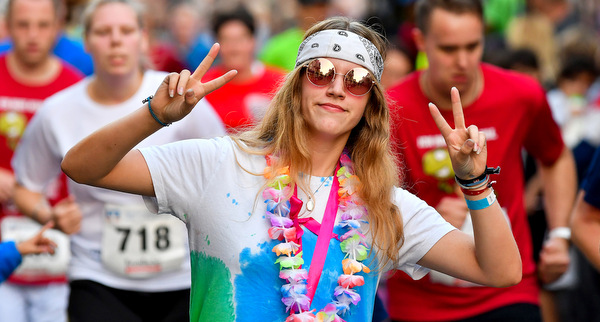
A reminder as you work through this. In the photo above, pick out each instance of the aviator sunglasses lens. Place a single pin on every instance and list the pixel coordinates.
(320, 72)
(358, 81)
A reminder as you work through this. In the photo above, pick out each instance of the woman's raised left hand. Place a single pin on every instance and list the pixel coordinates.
(180, 92)
(466, 145)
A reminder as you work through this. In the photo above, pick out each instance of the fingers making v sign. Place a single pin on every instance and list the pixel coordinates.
(466, 145)
(180, 92)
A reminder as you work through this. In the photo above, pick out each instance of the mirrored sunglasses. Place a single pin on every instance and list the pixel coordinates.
(357, 81)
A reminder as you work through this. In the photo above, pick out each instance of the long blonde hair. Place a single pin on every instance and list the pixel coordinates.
(283, 132)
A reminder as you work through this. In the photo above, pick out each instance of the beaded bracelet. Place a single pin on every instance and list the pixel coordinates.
(472, 192)
(148, 99)
(478, 182)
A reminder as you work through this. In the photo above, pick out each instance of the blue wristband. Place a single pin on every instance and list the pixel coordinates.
(148, 99)
(481, 203)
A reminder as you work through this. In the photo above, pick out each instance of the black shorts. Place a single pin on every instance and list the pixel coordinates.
(520, 312)
(90, 301)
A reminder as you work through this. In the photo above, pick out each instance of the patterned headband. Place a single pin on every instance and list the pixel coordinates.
(342, 44)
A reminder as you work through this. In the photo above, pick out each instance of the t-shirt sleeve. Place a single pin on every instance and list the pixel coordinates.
(423, 228)
(182, 170)
(36, 161)
(591, 183)
(10, 259)
(543, 139)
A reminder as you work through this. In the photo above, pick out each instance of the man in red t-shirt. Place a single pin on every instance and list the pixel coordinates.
(243, 100)
(513, 113)
(29, 73)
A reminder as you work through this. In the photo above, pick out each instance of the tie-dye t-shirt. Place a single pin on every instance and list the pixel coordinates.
(214, 188)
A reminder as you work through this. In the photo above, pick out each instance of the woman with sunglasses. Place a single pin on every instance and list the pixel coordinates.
(299, 217)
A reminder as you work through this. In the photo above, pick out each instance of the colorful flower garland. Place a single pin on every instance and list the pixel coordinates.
(353, 244)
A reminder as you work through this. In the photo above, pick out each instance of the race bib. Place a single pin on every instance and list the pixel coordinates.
(34, 267)
(138, 244)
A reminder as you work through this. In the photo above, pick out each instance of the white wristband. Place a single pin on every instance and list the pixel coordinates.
(560, 232)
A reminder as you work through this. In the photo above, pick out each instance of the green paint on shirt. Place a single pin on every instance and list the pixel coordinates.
(209, 274)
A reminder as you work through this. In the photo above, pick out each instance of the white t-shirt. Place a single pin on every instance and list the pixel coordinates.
(233, 272)
(65, 119)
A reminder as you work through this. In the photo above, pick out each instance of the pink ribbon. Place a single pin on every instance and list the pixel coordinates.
(325, 233)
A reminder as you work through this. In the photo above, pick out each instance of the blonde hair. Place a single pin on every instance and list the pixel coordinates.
(283, 132)
(139, 8)
(91, 8)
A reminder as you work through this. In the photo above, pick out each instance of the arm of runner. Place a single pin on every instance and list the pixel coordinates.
(559, 182)
(65, 215)
(586, 229)
(106, 159)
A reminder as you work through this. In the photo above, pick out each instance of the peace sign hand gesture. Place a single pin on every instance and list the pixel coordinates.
(180, 92)
(466, 146)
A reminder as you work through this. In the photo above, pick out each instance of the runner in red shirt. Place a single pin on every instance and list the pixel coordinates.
(513, 113)
(29, 73)
(244, 100)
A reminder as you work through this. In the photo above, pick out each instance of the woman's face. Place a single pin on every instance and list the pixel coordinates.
(115, 40)
(330, 111)
(237, 45)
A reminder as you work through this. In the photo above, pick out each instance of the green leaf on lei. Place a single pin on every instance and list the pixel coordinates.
(280, 181)
(343, 171)
(352, 246)
(287, 262)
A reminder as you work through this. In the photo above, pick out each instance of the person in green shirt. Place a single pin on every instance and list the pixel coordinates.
(281, 50)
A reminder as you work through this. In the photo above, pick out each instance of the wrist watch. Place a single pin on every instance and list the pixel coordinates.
(560, 232)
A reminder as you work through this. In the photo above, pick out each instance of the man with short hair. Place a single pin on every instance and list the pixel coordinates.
(29, 73)
(513, 113)
(65, 47)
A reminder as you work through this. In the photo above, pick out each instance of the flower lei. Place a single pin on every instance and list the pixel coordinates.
(353, 244)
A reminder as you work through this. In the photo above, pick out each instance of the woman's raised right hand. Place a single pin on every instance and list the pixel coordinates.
(180, 92)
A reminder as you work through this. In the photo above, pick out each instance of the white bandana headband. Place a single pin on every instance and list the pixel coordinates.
(342, 44)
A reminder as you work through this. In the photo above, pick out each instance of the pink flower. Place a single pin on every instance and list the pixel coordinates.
(301, 317)
(352, 211)
(341, 292)
(350, 281)
(296, 302)
(294, 275)
(278, 221)
(351, 233)
(281, 233)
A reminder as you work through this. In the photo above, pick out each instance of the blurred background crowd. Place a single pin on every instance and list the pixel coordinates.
(556, 41)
